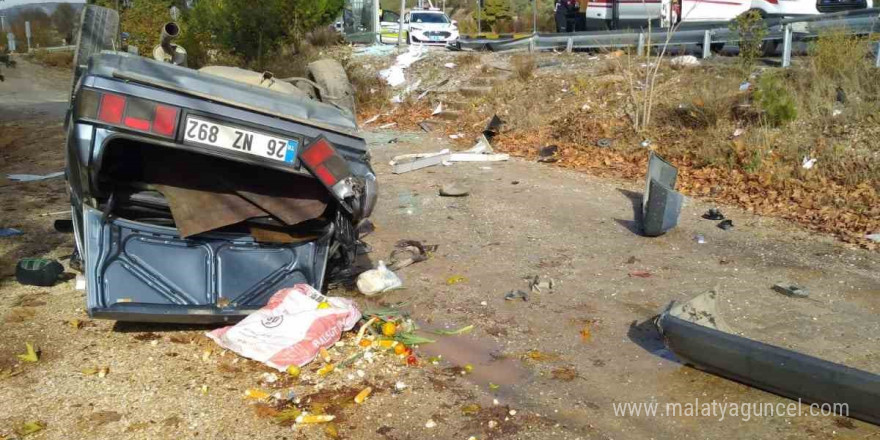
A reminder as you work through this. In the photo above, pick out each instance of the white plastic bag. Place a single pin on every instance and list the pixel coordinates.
(378, 280)
(290, 329)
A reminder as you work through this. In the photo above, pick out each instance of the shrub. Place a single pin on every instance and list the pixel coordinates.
(775, 101)
(523, 66)
(752, 30)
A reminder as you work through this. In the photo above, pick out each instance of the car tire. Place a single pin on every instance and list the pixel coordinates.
(98, 30)
(768, 48)
(716, 47)
(336, 89)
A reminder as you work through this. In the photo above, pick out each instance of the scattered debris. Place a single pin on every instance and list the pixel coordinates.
(426, 126)
(378, 280)
(684, 61)
(456, 136)
(493, 127)
(362, 396)
(455, 279)
(604, 143)
(438, 109)
(640, 274)
(388, 125)
(394, 75)
(9, 232)
(586, 333)
(372, 119)
(278, 334)
(696, 332)
(38, 272)
(645, 143)
(516, 294)
(661, 203)
(453, 190)
(541, 284)
(411, 162)
(430, 424)
(699, 238)
(28, 428)
(565, 374)
(713, 214)
(482, 151)
(31, 355)
(449, 65)
(407, 252)
(737, 133)
(726, 224)
(548, 154)
(873, 237)
(392, 141)
(744, 86)
(33, 177)
(808, 162)
(631, 260)
(792, 290)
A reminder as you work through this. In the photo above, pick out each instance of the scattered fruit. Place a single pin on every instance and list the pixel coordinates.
(32, 354)
(361, 396)
(365, 343)
(293, 370)
(326, 369)
(256, 394)
(324, 305)
(315, 418)
(412, 360)
(389, 329)
(325, 355)
(399, 349)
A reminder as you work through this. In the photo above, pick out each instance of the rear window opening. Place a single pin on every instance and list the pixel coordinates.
(198, 193)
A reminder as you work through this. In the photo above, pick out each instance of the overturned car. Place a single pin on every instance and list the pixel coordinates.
(197, 194)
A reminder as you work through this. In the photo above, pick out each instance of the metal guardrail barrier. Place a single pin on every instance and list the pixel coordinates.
(859, 22)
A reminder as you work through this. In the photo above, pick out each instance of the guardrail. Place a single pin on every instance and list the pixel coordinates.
(55, 49)
(861, 22)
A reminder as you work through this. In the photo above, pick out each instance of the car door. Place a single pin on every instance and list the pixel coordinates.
(389, 24)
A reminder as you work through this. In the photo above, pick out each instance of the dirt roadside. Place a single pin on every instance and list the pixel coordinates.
(521, 219)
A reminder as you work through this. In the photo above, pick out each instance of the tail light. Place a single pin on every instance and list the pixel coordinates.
(322, 160)
(124, 111)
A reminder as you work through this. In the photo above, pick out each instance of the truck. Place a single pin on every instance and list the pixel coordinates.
(196, 194)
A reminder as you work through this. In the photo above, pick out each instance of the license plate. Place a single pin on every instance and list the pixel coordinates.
(435, 38)
(203, 132)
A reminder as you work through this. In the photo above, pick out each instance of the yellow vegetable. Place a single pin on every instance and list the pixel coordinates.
(325, 355)
(316, 418)
(365, 343)
(324, 305)
(389, 329)
(361, 396)
(326, 369)
(387, 343)
(399, 349)
(293, 370)
(256, 394)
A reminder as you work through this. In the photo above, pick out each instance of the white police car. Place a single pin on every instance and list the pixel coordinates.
(429, 26)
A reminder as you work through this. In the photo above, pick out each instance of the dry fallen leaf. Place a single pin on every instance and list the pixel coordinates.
(28, 428)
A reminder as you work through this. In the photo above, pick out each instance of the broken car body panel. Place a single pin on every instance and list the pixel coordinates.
(696, 334)
(661, 204)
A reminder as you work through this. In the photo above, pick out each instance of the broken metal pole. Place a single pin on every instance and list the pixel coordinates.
(786, 45)
(569, 45)
(532, 43)
(707, 44)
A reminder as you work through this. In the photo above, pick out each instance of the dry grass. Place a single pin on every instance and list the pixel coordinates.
(323, 36)
(53, 59)
(523, 66)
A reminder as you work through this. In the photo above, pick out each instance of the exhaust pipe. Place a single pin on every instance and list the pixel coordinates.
(167, 51)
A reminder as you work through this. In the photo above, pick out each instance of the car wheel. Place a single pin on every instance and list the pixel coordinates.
(716, 47)
(768, 48)
(98, 29)
(336, 89)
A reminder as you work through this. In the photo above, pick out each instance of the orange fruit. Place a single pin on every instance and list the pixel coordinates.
(389, 329)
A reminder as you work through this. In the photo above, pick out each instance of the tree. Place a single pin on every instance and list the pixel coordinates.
(64, 19)
(494, 10)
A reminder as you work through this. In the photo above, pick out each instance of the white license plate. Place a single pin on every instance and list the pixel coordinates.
(203, 132)
(435, 38)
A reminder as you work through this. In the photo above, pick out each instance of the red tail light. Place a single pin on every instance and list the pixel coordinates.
(136, 114)
(112, 107)
(322, 160)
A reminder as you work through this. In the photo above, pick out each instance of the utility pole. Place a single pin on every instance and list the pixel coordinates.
(400, 23)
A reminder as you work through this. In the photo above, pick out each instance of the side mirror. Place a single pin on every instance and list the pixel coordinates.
(455, 23)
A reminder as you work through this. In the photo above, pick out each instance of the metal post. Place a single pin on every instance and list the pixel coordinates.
(707, 44)
(27, 34)
(400, 23)
(877, 59)
(377, 26)
(569, 45)
(2, 23)
(640, 50)
(786, 46)
(532, 44)
(534, 17)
